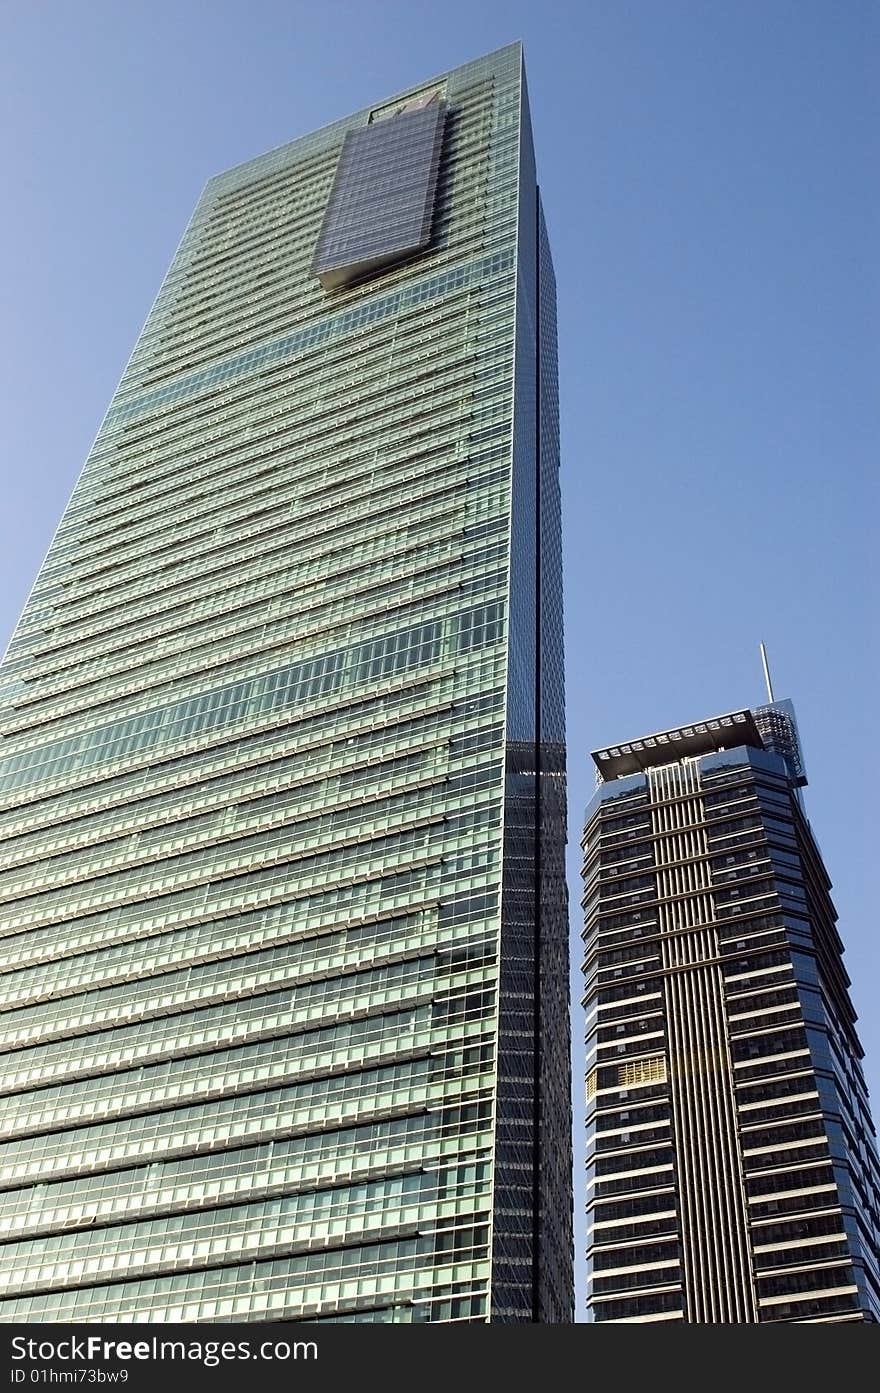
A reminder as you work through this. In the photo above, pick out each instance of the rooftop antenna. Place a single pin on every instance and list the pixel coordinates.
(766, 667)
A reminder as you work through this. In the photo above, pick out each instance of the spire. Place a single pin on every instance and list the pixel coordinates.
(766, 667)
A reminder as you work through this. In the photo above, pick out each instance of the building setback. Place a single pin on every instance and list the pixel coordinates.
(283, 928)
(732, 1172)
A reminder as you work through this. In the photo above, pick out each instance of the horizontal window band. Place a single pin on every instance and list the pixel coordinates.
(346, 322)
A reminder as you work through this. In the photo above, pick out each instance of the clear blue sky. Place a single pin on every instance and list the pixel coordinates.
(709, 172)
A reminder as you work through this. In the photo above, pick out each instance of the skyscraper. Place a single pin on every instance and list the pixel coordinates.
(282, 905)
(732, 1173)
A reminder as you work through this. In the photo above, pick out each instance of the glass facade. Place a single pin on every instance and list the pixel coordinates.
(283, 951)
(732, 1169)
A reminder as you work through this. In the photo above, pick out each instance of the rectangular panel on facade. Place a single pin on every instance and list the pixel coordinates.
(382, 200)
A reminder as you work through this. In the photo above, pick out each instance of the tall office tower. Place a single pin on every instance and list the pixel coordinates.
(732, 1174)
(282, 900)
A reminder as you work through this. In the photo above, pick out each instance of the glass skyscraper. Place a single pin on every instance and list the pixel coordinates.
(732, 1171)
(283, 919)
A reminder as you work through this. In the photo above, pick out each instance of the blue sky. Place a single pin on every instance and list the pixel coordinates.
(708, 171)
